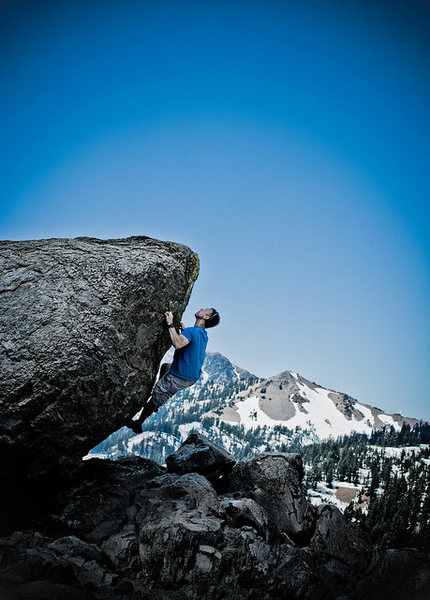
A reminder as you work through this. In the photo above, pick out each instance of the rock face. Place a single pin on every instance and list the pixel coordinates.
(273, 480)
(130, 530)
(339, 546)
(199, 454)
(82, 332)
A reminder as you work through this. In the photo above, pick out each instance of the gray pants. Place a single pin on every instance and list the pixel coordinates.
(167, 386)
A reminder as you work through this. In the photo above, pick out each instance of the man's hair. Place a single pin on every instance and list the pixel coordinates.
(213, 319)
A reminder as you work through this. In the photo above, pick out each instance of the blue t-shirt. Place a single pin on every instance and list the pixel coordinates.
(187, 361)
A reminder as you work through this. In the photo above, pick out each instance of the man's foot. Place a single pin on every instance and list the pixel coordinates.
(136, 426)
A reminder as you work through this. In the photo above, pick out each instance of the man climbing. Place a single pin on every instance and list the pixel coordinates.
(186, 368)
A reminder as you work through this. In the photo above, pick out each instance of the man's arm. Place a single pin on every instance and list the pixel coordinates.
(178, 340)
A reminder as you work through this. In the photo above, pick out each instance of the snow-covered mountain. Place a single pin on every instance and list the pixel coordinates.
(292, 400)
(246, 414)
(287, 399)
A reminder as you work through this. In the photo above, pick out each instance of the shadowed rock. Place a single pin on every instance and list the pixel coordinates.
(83, 333)
(129, 530)
(35, 567)
(273, 480)
(97, 502)
(340, 545)
(179, 520)
(199, 455)
(244, 511)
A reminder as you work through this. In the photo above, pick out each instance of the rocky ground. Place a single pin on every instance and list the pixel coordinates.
(204, 527)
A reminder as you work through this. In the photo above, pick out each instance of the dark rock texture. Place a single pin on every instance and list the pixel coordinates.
(339, 546)
(82, 335)
(394, 574)
(274, 480)
(244, 511)
(130, 530)
(198, 454)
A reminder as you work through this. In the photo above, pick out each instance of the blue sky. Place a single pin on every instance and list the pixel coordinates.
(287, 143)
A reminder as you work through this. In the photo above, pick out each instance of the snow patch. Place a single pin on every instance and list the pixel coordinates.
(94, 455)
(321, 414)
(325, 494)
(251, 414)
(388, 420)
(185, 428)
(203, 378)
(327, 419)
(397, 451)
(236, 373)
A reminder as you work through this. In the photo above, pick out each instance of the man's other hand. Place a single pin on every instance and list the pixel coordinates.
(169, 317)
(181, 326)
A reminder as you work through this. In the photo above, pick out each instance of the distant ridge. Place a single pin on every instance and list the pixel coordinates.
(288, 399)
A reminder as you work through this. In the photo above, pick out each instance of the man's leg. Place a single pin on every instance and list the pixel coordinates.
(158, 397)
(136, 424)
(165, 388)
(148, 408)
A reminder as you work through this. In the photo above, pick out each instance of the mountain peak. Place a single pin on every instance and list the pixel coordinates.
(218, 367)
(290, 400)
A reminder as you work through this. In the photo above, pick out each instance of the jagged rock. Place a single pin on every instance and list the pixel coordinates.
(253, 568)
(175, 515)
(129, 530)
(96, 505)
(340, 546)
(185, 544)
(197, 454)
(83, 334)
(244, 511)
(35, 566)
(273, 480)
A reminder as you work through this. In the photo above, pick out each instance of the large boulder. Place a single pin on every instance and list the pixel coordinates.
(274, 480)
(83, 333)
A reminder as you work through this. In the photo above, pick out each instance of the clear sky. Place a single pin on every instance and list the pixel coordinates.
(288, 144)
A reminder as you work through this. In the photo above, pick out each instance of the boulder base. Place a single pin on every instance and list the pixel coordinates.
(129, 530)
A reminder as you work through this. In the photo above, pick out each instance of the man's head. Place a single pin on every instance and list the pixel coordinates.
(210, 317)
